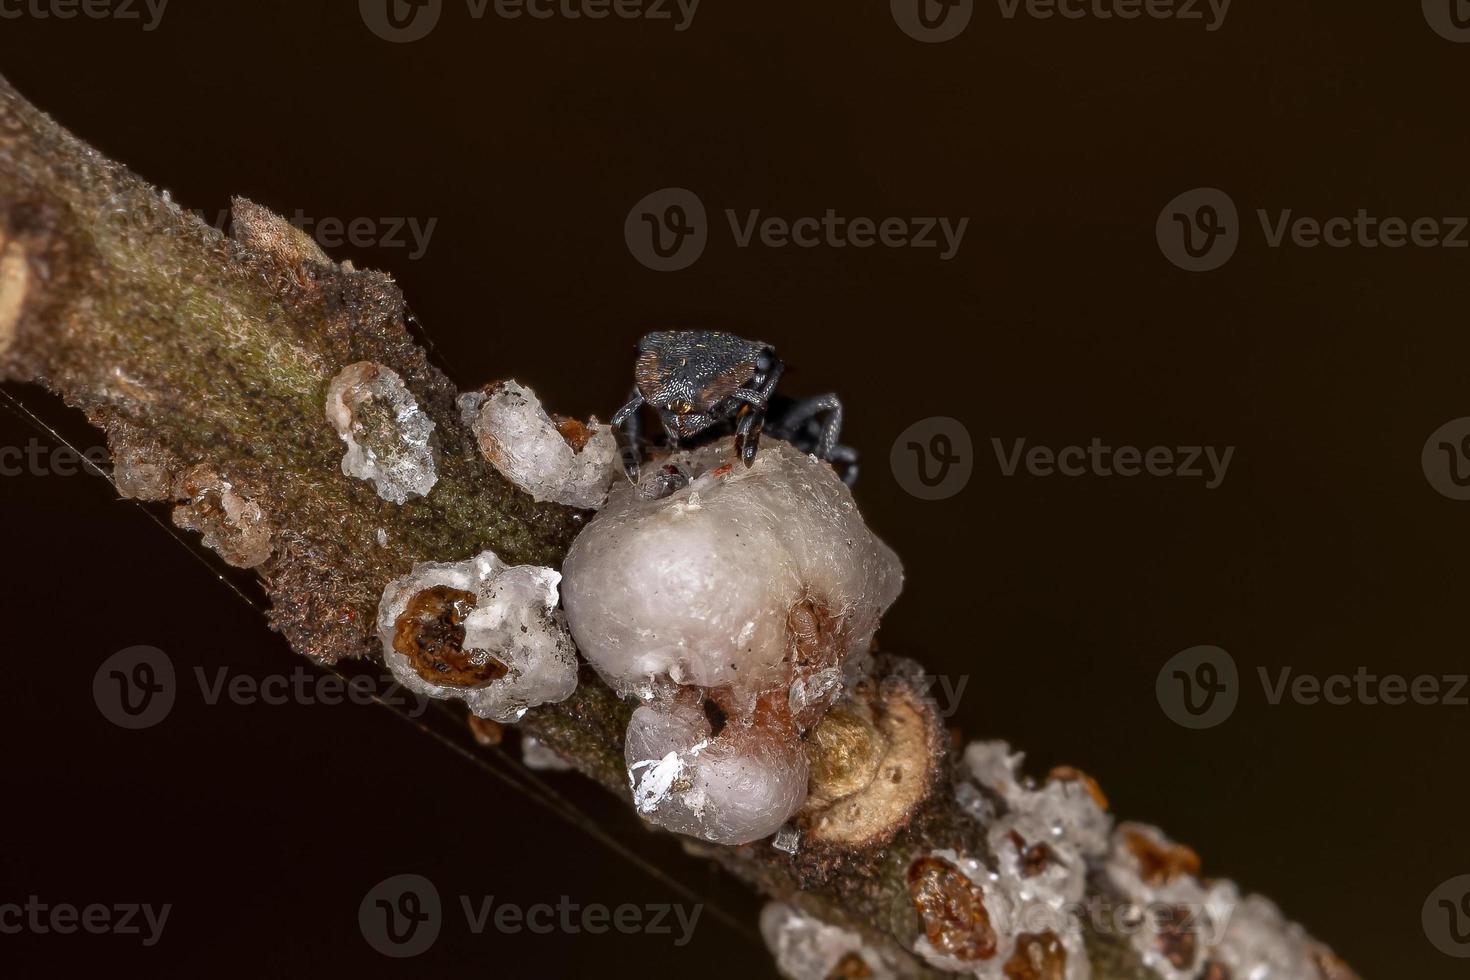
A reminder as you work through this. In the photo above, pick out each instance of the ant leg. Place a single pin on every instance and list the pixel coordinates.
(768, 383)
(627, 424)
(809, 409)
(847, 458)
(748, 432)
(753, 412)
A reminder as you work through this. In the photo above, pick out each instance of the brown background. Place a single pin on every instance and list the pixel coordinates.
(1325, 548)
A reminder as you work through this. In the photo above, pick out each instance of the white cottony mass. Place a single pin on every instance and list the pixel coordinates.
(749, 588)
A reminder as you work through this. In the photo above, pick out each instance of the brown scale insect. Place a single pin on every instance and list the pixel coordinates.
(1176, 938)
(951, 909)
(1032, 859)
(1160, 864)
(1038, 956)
(430, 633)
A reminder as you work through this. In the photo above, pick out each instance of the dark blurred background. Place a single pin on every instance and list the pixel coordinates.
(1060, 319)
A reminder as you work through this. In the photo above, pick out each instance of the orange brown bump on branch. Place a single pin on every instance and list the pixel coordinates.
(1034, 858)
(574, 431)
(486, 732)
(951, 910)
(430, 633)
(1038, 956)
(1160, 862)
(851, 967)
(1177, 939)
(1069, 774)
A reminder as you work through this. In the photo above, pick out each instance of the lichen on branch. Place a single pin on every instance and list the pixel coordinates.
(187, 346)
